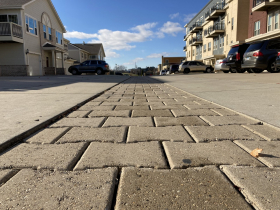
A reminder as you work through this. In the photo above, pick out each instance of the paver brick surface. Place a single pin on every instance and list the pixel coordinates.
(203, 106)
(50, 156)
(95, 108)
(196, 188)
(267, 132)
(148, 103)
(106, 103)
(171, 133)
(93, 103)
(229, 120)
(47, 136)
(78, 114)
(144, 154)
(220, 133)
(183, 155)
(119, 113)
(112, 134)
(5, 175)
(168, 107)
(79, 122)
(198, 112)
(260, 186)
(121, 121)
(151, 113)
(270, 155)
(90, 189)
(225, 112)
(144, 107)
(172, 121)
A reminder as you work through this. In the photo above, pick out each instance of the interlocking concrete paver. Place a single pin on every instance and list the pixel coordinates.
(143, 107)
(116, 103)
(195, 188)
(225, 112)
(79, 122)
(145, 154)
(78, 114)
(267, 132)
(92, 108)
(168, 107)
(171, 133)
(133, 100)
(50, 156)
(172, 121)
(182, 155)
(47, 136)
(93, 103)
(197, 112)
(230, 120)
(220, 133)
(260, 186)
(205, 106)
(5, 175)
(270, 155)
(186, 103)
(120, 113)
(151, 113)
(90, 189)
(148, 103)
(137, 121)
(113, 134)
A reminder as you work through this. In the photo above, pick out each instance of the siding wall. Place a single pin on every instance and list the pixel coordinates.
(12, 54)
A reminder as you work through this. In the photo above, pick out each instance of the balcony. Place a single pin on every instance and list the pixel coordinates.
(196, 41)
(215, 30)
(185, 37)
(196, 27)
(215, 12)
(264, 5)
(11, 32)
(185, 48)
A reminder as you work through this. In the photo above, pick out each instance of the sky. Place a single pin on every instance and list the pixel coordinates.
(131, 31)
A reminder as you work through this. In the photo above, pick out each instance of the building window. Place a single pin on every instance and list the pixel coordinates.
(58, 37)
(257, 28)
(222, 41)
(166, 61)
(209, 46)
(269, 23)
(31, 25)
(232, 23)
(204, 48)
(193, 53)
(276, 22)
(45, 31)
(50, 33)
(9, 18)
(82, 55)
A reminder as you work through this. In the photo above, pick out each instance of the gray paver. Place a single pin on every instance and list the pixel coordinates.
(120, 113)
(121, 121)
(260, 186)
(93, 103)
(182, 155)
(203, 106)
(106, 103)
(151, 113)
(195, 188)
(225, 112)
(172, 121)
(5, 175)
(94, 108)
(220, 133)
(267, 132)
(145, 154)
(270, 155)
(51, 156)
(133, 100)
(78, 114)
(168, 107)
(171, 133)
(186, 103)
(198, 112)
(148, 103)
(144, 107)
(48, 135)
(112, 134)
(79, 122)
(229, 120)
(90, 189)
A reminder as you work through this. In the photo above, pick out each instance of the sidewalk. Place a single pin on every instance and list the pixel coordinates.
(145, 145)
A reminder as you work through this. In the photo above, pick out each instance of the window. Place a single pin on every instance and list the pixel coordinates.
(93, 62)
(274, 45)
(31, 25)
(204, 48)
(269, 23)
(276, 21)
(166, 61)
(58, 37)
(209, 46)
(86, 63)
(9, 18)
(193, 52)
(257, 28)
(45, 31)
(82, 55)
(85, 56)
(232, 23)
(50, 33)
(222, 41)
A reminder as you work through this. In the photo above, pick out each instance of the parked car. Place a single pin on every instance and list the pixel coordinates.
(221, 65)
(235, 58)
(119, 73)
(261, 56)
(174, 68)
(189, 66)
(164, 72)
(90, 66)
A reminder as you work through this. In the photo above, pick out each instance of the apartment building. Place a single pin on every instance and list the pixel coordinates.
(218, 26)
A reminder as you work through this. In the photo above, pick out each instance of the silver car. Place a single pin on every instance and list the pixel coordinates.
(189, 66)
(221, 66)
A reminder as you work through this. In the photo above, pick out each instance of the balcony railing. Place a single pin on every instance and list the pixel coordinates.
(215, 30)
(184, 48)
(197, 39)
(11, 29)
(257, 2)
(214, 9)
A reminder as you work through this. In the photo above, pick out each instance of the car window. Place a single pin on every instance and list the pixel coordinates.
(192, 63)
(200, 63)
(254, 47)
(186, 63)
(86, 63)
(93, 62)
(273, 44)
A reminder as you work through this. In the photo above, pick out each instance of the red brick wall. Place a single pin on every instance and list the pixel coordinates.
(256, 16)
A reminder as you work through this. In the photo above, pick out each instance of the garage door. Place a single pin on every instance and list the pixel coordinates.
(35, 65)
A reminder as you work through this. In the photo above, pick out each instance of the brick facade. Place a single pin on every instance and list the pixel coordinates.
(11, 70)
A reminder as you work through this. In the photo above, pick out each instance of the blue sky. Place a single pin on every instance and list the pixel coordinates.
(131, 31)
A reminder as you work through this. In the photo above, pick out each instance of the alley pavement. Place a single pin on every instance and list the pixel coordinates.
(144, 144)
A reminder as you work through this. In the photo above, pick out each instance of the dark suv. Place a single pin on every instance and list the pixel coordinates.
(261, 56)
(235, 57)
(90, 66)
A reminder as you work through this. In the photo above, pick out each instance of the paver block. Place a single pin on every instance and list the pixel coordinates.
(203, 106)
(121, 121)
(93, 103)
(198, 112)
(120, 113)
(225, 112)
(78, 114)
(178, 102)
(229, 120)
(112, 100)
(148, 103)
(267, 132)
(133, 100)
(151, 113)
(145, 107)
(5, 175)
(172, 121)
(29, 189)
(270, 155)
(106, 103)
(94, 108)
(79, 122)
(183, 155)
(168, 107)
(260, 186)
(195, 188)
(51, 156)
(220, 133)
(171, 133)
(112, 134)
(48, 135)
(144, 154)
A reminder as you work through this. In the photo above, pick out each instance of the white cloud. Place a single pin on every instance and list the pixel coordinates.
(78, 35)
(157, 55)
(172, 16)
(111, 54)
(132, 62)
(187, 18)
(170, 28)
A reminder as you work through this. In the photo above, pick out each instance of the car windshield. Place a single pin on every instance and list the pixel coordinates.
(254, 47)
(233, 51)
(175, 66)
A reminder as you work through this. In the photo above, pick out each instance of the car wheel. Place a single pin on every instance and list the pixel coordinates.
(257, 71)
(240, 70)
(208, 70)
(186, 71)
(233, 71)
(99, 72)
(272, 68)
(75, 72)
(226, 72)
